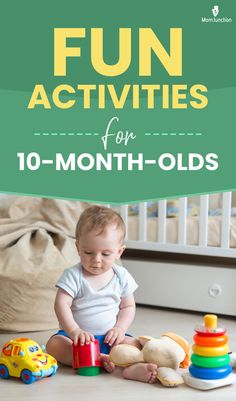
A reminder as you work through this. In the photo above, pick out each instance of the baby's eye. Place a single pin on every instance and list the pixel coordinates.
(87, 253)
(106, 254)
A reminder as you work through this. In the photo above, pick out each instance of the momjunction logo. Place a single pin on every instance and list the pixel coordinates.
(216, 11)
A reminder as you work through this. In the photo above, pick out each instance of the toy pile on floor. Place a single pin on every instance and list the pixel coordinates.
(211, 362)
(210, 366)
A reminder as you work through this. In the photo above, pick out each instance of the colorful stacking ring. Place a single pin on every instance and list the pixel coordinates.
(210, 341)
(210, 373)
(210, 362)
(210, 351)
(208, 333)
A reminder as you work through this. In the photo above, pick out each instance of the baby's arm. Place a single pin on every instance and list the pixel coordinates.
(124, 319)
(63, 304)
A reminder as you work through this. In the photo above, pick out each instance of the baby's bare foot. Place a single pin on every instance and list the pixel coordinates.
(143, 372)
(107, 364)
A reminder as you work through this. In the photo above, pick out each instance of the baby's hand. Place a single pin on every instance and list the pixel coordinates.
(81, 336)
(115, 336)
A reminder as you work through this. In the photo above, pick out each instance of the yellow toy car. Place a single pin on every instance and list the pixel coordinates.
(24, 358)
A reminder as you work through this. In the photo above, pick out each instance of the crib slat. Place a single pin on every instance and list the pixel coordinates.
(124, 215)
(182, 234)
(162, 221)
(225, 222)
(203, 226)
(143, 221)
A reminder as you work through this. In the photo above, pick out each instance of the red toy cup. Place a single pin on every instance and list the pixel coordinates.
(86, 358)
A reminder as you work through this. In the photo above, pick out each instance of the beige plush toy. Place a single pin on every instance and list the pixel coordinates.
(168, 352)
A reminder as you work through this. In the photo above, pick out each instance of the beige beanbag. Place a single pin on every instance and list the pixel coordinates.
(36, 245)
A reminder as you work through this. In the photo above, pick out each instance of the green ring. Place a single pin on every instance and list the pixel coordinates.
(210, 361)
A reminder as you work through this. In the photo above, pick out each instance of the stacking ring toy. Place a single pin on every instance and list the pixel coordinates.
(212, 362)
(210, 341)
(210, 373)
(210, 351)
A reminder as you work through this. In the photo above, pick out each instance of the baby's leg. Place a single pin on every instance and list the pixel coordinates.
(131, 341)
(61, 348)
(143, 372)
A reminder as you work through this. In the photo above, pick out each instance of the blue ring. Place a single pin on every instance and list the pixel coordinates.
(210, 373)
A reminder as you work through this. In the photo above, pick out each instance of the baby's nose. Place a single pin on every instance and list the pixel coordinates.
(97, 258)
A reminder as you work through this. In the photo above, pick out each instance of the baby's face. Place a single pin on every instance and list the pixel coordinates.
(98, 252)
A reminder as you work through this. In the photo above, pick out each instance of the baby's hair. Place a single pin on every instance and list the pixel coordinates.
(99, 218)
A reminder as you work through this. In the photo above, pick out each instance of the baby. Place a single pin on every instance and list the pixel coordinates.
(95, 298)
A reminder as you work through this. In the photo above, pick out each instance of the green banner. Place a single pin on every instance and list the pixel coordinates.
(114, 102)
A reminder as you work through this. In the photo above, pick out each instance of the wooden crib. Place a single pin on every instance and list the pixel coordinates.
(190, 262)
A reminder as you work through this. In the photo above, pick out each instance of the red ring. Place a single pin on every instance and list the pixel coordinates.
(210, 333)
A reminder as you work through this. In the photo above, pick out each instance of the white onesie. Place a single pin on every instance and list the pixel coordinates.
(96, 311)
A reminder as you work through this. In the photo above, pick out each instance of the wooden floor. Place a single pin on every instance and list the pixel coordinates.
(66, 385)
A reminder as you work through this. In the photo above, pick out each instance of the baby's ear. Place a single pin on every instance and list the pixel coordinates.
(121, 250)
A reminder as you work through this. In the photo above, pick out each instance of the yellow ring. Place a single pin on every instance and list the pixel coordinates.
(211, 351)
